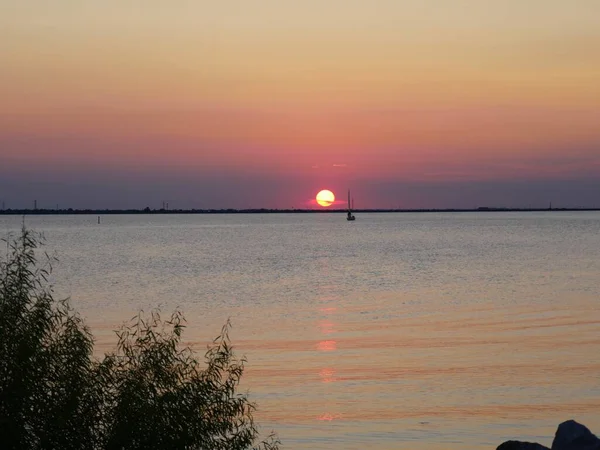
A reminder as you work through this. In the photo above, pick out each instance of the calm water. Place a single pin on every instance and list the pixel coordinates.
(398, 331)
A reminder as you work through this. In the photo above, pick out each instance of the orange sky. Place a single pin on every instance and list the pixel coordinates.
(422, 92)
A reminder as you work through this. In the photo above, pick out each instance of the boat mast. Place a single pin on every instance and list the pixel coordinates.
(349, 206)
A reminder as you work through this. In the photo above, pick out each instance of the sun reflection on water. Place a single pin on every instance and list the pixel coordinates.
(327, 375)
(327, 327)
(327, 346)
(329, 417)
(328, 299)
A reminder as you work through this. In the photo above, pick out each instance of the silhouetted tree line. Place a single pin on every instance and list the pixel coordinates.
(149, 393)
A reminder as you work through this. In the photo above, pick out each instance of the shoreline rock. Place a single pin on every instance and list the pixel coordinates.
(570, 435)
(519, 445)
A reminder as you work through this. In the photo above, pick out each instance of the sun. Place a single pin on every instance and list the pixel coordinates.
(325, 198)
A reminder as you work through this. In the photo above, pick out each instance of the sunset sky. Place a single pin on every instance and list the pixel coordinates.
(430, 103)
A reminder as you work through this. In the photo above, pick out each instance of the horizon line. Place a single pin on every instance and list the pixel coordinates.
(89, 211)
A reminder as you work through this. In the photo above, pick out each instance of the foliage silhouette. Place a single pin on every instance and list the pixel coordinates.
(151, 392)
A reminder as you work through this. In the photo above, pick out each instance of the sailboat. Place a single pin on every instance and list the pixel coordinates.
(350, 216)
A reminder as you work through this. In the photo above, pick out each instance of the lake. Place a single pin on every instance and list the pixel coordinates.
(396, 331)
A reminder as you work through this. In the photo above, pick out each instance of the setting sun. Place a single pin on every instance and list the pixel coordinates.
(325, 198)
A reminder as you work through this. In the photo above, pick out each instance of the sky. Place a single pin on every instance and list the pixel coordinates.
(250, 104)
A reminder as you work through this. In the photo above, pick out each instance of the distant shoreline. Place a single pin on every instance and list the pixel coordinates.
(42, 212)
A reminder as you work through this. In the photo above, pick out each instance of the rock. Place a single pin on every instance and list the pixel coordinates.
(518, 445)
(571, 435)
